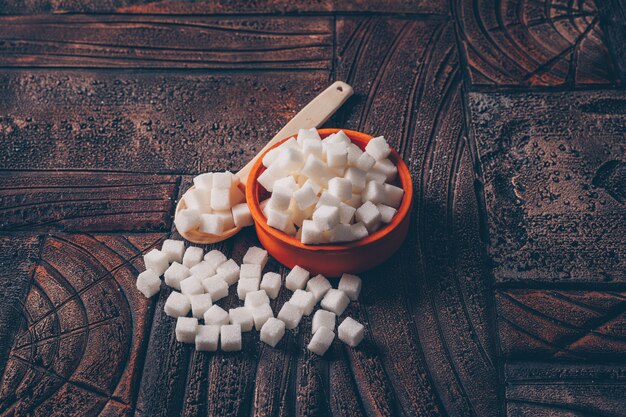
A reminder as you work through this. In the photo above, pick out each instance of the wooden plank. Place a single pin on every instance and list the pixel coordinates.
(143, 121)
(80, 348)
(428, 304)
(86, 201)
(522, 43)
(126, 41)
(553, 165)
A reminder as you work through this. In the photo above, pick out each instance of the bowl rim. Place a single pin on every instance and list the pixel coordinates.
(254, 204)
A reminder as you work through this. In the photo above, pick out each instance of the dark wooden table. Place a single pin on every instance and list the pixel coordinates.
(508, 297)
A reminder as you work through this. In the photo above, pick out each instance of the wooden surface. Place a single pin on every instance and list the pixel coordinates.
(508, 297)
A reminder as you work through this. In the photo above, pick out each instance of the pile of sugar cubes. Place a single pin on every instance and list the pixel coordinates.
(200, 280)
(326, 191)
(214, 205)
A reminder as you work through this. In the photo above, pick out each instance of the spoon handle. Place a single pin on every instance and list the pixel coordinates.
(313, 114)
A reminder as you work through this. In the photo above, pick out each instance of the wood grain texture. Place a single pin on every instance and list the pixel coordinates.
(554, 184)
(145, 122)
(123, 41)
(86, 201)
(524, 43)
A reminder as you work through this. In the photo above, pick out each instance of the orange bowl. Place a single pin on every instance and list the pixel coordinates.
(333, 259)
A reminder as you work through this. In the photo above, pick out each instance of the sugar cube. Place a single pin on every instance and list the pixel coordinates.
(193, 256)
(280, 198)
(250, 271)
(287, 183)
(297, 215)
(148, 283)
(335, 301)
(321, 341)
(316, 170)
(216, 315)
(198, 199)
(211, 224)
(261, 314)
(340, 188)
(304, 134)
(241, 316)
(174, 249)
(177, 305)
(175, 274)
(318, 286)
(304, 300)
(346, 213)
(387, 168)
(376, 176)
(311, 234)
(207, 337)
(241, 215)
(351, 285)
(359, 231)
(297, 278)
(216, 286)
(357, 178)
(341, 233)
(393, 195)
(256, 256)
(373, 192)
(200, 303)
(186, 220)
(229, 271)
(327, 199)
(220, 199)
(323, 318)
(223, 180)
(230, 335)
(204, 181)
(290, 315)
(157, 261)
(227, 218)
(369, 215)
(271, 284)
(336, 155)
(272, 331)
(191, 285)
(312, 147)
(256, 298)
(378, 148)
(305, 197)
(355, 201)
(354, 152)
(325, 217)
(236, 196)
(279, 219)
(186, 329)
(246, 285)
(386, 213)
(314, 186)
(365, 162)
(267, 180)
(351, 332)
(202, 270)
(290, 160)
(215, 258)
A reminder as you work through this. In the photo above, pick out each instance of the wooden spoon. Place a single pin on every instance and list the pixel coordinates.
(313, 114)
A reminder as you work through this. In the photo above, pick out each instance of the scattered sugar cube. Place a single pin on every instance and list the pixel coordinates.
(157, 261)
(261, 315)
(351, 332)
(387, 168)
(256, 298)
(246, 285)
(373, 192)
(211, 224)
(351, 285)
(207, 337)
(199, 200)
(340, 188)
(325, 217)
(272, 331)
(177, 305)
(148, 283)
(227, 218)
(357, 178)
(220, 199)
(256, 255)
(359, 231)
(230, 334)
(306, 196)
(250, 271)
(341, 233)
(216, 286)
(223, 180)
(365, 162)
(290, 315)
(304, 300)
(215, 258)
(241, 316)
(311, 234)
(271, 284)
(229, 271)
(336, 155)
(323, 318)
(318, 286)
(297, 278)
(216, 315)
(186, 329)
(174, 249)
(191, 285)
(175, 274)
(321, 341)
(242, 216)
(386, 213)
(186, 220)
(193, 256)
(204, 181)
(335, 301)
(393, 195)
(200, 303)
(290, 160)
(202, 270)
(327, 199)
(369, 215)
(378, 148)
(346, 213)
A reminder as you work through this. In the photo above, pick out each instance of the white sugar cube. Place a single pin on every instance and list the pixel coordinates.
(207, 337)
(191, 285)
(323, 318)
(346, 213)
(216, 287)
(369, 215)
(387, 168)
(325, 217)
(365, 162)
(174, 249)
(357, 178)
(222, 180)
(215, 258)
(272, 331)
(378, 148)
(355, 201)
(297, 278)
(193, 256)
(373, 192)
(287, 183)
(271, 284)
(157, 261)
(393, 195)
(304, 134)
(341, 233)
(216, 315)
(270, 156)
(220, 199)
(359, 231)
(177, 305)
(229, 271)
(354, 152)
(351, 332)
(376, 176)
(198, 199)
(386, 213)
(290, 160)
(267, 179)
(297, 215)
(202, 270)
(340, 188)
(318, 286)
(204, 181)
(175, 274)
(327, 199)
(230, 335)
(351, 285)
(200, 303)
(255, 256)
(315, 186)
(261, 315)
(250, 271)
(256, 299)
(280, 198)
(186, 329)
(311, 234)
(241, 215)
(241, 316)
(312, 147)
(290, 315)
(227, 218)
(306, 196)
(246, 285)
(236, 196)
(278, 219)
(304, 300)
(148, 283)
(336, 155)
(211, 224)
(316, 170)
(335, 301)
(321, 341)
(186, 220)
